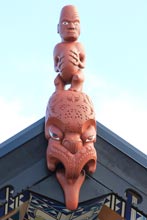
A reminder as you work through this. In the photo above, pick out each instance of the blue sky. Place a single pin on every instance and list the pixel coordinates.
(114, 35)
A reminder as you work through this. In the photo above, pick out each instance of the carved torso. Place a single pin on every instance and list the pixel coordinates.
(68, 58)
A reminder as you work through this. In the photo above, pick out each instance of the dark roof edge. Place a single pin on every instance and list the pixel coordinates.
(22, 137)
(103, 132)
(121, 145)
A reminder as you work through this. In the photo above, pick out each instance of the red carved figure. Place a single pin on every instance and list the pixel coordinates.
(69, 55)
(70, 125)
(71, 132)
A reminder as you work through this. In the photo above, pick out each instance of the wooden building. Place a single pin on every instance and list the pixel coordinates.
(28, 190)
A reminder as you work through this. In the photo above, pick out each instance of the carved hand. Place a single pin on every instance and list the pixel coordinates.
(76, 59)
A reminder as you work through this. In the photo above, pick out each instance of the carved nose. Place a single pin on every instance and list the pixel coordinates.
(72, 146)
(71, 25)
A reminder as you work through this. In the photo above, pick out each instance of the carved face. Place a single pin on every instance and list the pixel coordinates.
(70, 129)
(71, 132)
(72, 141)
(69, 24)
(72, 150)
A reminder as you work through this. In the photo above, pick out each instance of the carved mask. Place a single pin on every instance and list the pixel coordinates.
(71, 132)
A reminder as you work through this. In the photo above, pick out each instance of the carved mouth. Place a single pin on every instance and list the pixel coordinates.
(72, 185)
(71, 31)
(90, 166)
(73, 164)
(70, 169)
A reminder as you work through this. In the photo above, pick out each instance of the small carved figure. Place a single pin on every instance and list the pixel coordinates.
(69, 55)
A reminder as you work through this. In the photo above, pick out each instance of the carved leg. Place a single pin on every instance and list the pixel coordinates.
(77, 82)
(59, 84)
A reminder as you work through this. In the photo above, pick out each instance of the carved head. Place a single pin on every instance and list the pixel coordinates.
(71, 130)
(69, 23)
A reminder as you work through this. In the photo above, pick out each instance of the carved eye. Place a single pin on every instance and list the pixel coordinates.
(55, 133)
(54, 136)
(90, 138)
(89, 134)
(76, 23)
(65, 22)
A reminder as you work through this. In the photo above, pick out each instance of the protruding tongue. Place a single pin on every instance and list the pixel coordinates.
(71, 188)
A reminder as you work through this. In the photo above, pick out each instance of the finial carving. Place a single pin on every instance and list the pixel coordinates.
(69, 55)
(70, 125)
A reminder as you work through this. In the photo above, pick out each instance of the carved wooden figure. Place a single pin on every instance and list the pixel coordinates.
(70, 125)
(71, 132)
(69, 55)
